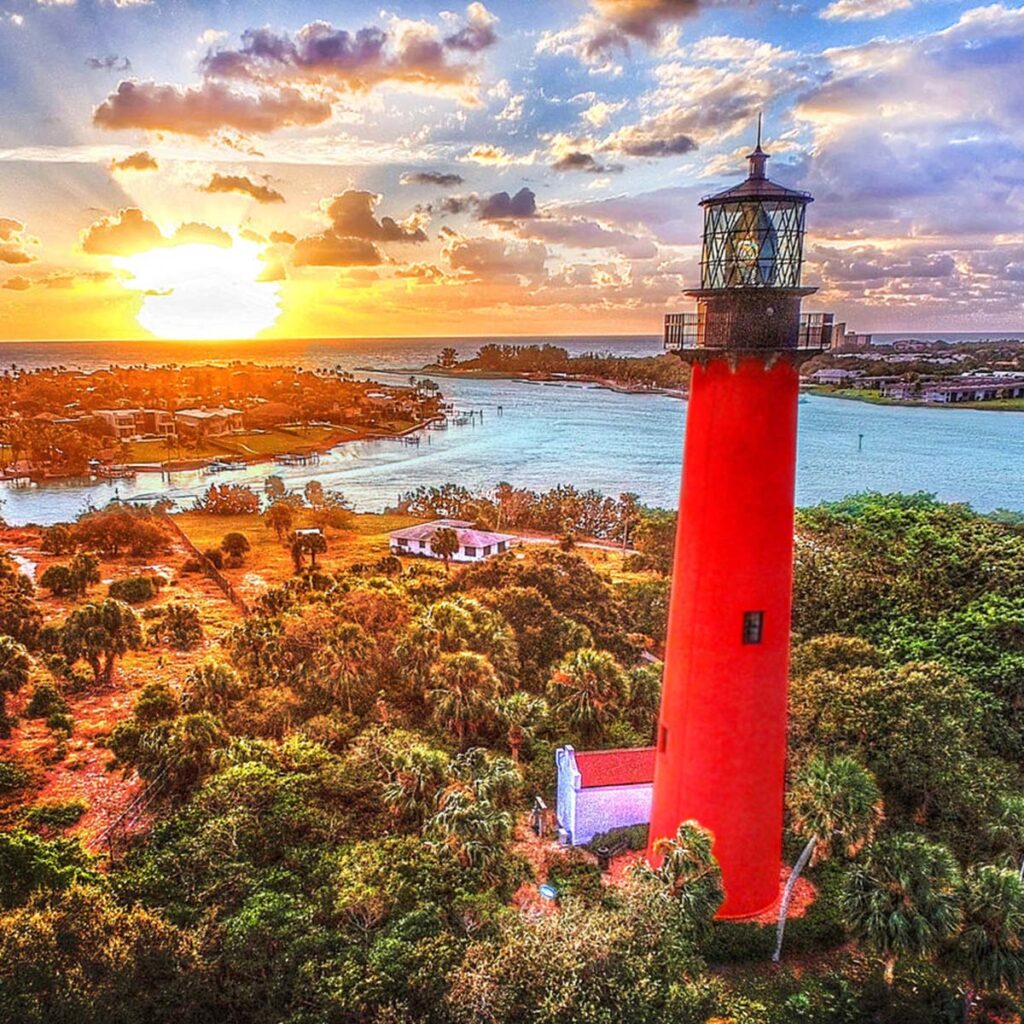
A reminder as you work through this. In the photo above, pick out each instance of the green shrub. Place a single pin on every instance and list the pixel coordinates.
(55, 814)
(575, 874)
(192, 565)
(12, 776)
(135, 589)
(181, 627)
(215, 557)
(634, 836)
(46, 700)
(60, 721)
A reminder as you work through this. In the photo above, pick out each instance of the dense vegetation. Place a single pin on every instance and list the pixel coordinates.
(663, 371)
(341, 793)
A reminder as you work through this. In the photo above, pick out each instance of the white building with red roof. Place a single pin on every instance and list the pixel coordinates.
(474, 545)
(600, 790)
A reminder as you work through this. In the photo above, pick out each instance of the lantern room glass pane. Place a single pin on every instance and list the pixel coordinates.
(752, 243)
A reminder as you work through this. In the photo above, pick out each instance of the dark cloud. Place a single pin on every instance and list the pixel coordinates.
(108, 63)
(352, 216)
(243, 186)
(581, 233)
(17, 284)
(141, 161)
(577, 160)
(643, 19)
(357, 60)
(206, 108)
(502, 206)
(328, 250)
(442, 178)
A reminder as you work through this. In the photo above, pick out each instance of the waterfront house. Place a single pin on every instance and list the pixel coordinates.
(474, 545)
(208, 422)
(599, 790)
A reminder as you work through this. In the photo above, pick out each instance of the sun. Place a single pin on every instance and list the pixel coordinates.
(203, 292)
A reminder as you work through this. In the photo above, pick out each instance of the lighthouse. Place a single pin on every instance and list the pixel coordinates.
(721, 737)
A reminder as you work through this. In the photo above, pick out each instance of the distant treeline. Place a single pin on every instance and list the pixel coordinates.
(662, 371)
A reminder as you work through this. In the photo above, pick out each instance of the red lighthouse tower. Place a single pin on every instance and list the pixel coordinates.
(721, 743)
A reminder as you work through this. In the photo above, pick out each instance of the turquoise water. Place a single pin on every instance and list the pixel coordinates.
(564, 433)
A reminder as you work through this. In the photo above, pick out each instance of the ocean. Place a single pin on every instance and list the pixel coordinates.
(539, 435)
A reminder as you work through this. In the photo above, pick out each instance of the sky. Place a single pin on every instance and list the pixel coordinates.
(181, 168)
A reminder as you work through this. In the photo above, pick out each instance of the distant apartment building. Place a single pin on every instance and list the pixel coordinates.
(957, 389)
(208, 422)
(835, 377)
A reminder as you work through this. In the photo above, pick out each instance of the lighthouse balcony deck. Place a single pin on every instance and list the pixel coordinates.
(687, 331)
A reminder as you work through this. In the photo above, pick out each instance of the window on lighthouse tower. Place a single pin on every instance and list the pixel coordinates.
(753, 626)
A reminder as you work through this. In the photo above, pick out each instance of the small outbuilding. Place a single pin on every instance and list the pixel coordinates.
(474, 545)
(600, 790)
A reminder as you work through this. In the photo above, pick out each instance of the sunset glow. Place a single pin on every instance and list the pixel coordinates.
(203, 292)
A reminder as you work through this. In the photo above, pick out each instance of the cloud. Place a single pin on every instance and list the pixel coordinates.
(354, 233)
(863, 10)
(200, 234)
(14, 242)
(423, 273)
(328, 250)
(643, 19)
(495, 259)
(130, 231)
(243, 186)
(413, 53)
(502, 206)
(108, 63)
(442, 178)
(582, 233)
(17, 284)
(125, 234)
(282, 237)
(490, 155)
(141, 161)
(352, 216)
(207, 108)
(612, 26)
(599, 113)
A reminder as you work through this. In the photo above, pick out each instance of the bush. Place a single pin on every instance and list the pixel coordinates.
(55, 814)
(181, 627)
(634, 836)
(574, 874)
(215, 557)
(60, 721)
(235, 545)
(135, 589)
(46, 700)
(58, 581)
(58, 540)
(191, 565)
(12, 776)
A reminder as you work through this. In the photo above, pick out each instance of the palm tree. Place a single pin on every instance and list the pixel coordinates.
(522, 713)
(990, 946)
(688, 873)
(1006, 831)
(585, 689)
(903, 897)
(417, 776)
(832, 802)
(349, 654)
(445, 543)
(15, 664)
(466, 685)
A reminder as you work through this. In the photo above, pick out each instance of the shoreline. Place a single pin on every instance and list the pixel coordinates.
(907, 403)
(539, 377)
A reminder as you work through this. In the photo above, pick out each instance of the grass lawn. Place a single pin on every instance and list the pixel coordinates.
(270, 442)
(269, 563)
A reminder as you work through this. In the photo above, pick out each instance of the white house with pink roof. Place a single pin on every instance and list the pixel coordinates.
(474, 545)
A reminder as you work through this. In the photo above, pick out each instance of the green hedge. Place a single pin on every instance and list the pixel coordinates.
(634, 836)
(135, 589)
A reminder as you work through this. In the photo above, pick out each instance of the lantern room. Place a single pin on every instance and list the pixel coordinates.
(751, 258)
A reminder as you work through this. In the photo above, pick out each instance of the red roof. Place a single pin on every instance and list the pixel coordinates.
(627, 766)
